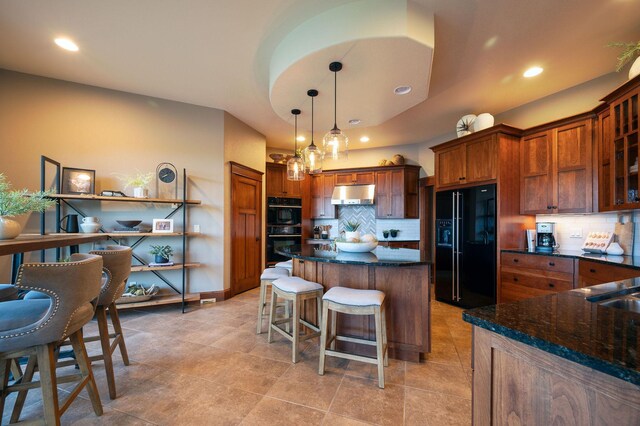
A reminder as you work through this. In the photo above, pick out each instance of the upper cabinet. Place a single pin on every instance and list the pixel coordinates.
(355, 178)
(556, 168)
(321, 190)
(396, 194)
(277, 183)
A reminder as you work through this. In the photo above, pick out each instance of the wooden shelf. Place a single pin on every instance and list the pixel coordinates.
(143, 268)
(161, 300)
(92, 197)
(142, 234)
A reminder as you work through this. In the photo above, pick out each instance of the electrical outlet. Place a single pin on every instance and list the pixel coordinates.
(576, 233)
(196, 229)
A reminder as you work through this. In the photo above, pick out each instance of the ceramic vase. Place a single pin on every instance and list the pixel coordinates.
(140, 193)
(615, 249)
(349, 235)
(9, 228)
(465, 125)
(160, 259)
(635, 68)
(483, 121)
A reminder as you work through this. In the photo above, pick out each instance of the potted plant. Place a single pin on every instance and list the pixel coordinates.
(351, 232)
(631, 51)
(17, 202)
(162, 253)
(139, 183)
(394, 232)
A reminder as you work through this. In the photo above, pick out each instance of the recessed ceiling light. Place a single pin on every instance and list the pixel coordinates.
(402, 90)
(355, 121)
(66, 44)
(364, 139)
(532, 72)
(301, 139)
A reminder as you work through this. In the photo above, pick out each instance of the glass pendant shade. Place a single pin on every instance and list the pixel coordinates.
(312, 155)
(335, 142)
(295, 165)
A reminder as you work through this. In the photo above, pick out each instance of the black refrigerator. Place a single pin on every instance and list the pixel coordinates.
(466, 246)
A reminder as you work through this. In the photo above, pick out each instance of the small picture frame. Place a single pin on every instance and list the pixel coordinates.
(78, 181)
(162, 226)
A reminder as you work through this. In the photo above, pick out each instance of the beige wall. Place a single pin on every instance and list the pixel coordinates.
(116, 132)
(243, 145)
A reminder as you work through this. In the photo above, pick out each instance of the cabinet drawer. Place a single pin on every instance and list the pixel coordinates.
(537, 282)
(513, 292)
(548, 263)
(598, 273)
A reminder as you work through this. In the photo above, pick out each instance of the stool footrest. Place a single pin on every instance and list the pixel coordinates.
(352, 357)
(355, 340)
(289, 336)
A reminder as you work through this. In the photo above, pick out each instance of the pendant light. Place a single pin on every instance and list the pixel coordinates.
(295, 165)
(335, 142)
(312, 154)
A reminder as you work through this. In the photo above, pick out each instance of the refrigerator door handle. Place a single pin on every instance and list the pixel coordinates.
(460, 200)
(454, 246)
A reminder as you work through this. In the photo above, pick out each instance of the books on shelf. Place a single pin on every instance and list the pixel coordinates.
(161, 264)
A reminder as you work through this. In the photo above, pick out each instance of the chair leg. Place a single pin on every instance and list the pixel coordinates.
(272, 313)
(319, 310)
(296, 329)
(379, 347)
(385, 342)
(334, 329)
(48, 383)
(115, 320)
(85, 369)
(105, 342)
(324, 327)
(5, 367)
(22, 395)
(261, 303)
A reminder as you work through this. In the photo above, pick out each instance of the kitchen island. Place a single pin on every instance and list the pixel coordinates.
(565, 358)
(400, 273)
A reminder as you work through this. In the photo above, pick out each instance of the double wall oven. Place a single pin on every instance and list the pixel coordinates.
(284, 225)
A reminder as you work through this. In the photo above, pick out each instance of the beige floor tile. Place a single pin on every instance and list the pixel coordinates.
(429, 408)
(270, 411)
(332, 419)
(443, 352)
(251, 373)
(394, 373)
(303, 385)
(363, 400)
(436, 377)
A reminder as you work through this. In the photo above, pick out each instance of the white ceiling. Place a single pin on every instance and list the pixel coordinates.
(218, 53)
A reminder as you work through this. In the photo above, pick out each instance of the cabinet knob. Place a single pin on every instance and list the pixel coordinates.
(515, 279)
(555, 207)
(516, 260)
(593, 271)
(551, 285)
(549, 207)
(552, 264)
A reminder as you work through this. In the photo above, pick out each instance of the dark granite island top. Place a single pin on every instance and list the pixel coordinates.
(381, 256)
(574, 326)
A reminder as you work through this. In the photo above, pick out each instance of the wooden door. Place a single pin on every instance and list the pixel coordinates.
(396, 194)
(344, 179)
(317, 196)
(364, 178)
(450, 166)
(291, 188)
(605, 142)
(481, 159)
(329, 210)
(275, 180)
(246, 228)
(535, 170)
(572, 168)
(383, 199)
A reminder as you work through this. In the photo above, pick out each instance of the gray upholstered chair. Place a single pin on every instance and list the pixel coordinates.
(8, 292)
(35, 328)
(117, 260)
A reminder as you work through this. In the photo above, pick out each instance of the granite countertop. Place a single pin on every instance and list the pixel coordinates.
(625, 261)
(381, 256)
(574, 326)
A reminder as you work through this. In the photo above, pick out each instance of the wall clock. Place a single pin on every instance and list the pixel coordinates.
(167, 181)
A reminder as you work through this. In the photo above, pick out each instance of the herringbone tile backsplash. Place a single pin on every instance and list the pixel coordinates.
(364, 215)
(409, 229)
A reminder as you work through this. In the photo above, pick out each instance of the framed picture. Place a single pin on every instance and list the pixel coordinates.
(162, 226)
(78, 181)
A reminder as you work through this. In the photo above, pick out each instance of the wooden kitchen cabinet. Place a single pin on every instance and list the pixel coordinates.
(277, 184)
(451, 166)
(604, 139)
(415, 245)
(556, 169)
(592, 273)
(529, 275)
(397, 192)
(355, 178)
(471, 162)
(321, 190)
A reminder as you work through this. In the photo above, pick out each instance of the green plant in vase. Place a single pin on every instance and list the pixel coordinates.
(630, 52)
(17, 202)
(162, 253)
(139, 183)
(351, 231)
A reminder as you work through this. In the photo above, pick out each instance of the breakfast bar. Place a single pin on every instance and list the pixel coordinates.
(402, 274)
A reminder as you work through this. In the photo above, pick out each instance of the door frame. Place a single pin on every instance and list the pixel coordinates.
(249, 173)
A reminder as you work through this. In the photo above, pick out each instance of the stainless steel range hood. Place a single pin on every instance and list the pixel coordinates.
(353, 194)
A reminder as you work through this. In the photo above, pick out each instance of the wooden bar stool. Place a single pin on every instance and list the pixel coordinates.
(267, 277)
(353, 301)
(296, 290)
(287, 264)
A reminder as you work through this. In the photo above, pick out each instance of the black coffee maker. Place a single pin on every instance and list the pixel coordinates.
(545, 241)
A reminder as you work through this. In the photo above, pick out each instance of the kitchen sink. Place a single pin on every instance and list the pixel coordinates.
(627, 303)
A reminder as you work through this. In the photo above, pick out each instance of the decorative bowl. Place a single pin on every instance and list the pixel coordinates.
(129, 223)
(277, 158)
(361, 247)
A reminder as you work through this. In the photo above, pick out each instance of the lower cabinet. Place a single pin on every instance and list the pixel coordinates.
(592, 273)
(529, 275)
(401, 244)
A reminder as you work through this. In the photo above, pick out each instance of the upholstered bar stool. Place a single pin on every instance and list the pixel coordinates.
(287, 264)
(8, 292)
(353, 301)
(295, 290)
(35, 328)
(268, 276)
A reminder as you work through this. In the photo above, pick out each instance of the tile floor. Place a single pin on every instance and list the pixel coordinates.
(208, 366)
